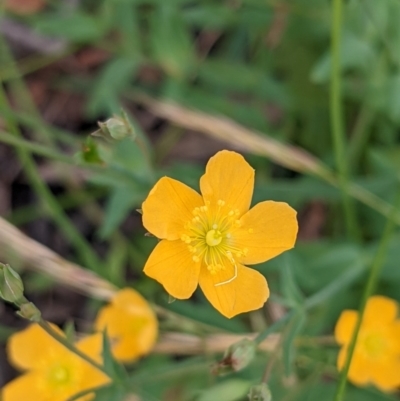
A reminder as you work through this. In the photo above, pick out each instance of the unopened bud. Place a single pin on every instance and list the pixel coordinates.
(29, 311)
(116, 128)
(11, 286)
(236, 357)
(261, 392)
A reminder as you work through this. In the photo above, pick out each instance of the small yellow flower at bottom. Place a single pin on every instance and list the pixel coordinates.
(209, 239)
(53, 372)
(131, 325)
(376, 357)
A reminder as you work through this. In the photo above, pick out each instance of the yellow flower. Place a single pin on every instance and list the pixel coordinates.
(53, 372)
(208, 239)
(376, 357)
(131, 325)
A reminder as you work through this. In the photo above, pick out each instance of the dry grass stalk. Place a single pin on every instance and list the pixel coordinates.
(188, 344)
(19, 250)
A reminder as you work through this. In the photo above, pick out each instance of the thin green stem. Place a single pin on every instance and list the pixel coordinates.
(41, 150)
(62, 340)
(376, 267)
(337, 128)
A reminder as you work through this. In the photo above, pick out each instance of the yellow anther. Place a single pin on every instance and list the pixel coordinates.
(185, 238)
(196, 258)
(221, 203)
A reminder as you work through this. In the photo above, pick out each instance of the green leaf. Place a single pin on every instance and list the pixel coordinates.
(295, 325)
(229, 390)
(121, 201)
(171, 43)
(289, 286)
(78, 27)
(111, 393)
(356, 54)
(116, 371)
(112, 80)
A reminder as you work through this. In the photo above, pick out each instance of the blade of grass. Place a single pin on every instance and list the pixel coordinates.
(370, 286)
(336, 119)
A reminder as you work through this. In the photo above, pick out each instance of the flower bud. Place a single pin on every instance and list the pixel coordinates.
(236, 357)
(115, 128)
(261, 392)
(29, 311)
(11, 286)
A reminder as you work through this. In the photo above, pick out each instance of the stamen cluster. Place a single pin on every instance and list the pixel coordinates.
(210, 236)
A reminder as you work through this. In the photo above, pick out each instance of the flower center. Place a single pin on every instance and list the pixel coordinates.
(213, 238)
(59, 375)
(210, 237)
(374, 345)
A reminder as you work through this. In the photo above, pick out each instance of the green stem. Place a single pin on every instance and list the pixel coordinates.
(62, 340)
(377, 264)
(32, 147)
(336, 114)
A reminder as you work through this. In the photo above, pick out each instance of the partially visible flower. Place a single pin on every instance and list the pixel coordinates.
(376, 357)
(130, 323)
(208, 239)
(53, 372)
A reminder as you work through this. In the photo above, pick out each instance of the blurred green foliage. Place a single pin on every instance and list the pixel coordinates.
(265, 64)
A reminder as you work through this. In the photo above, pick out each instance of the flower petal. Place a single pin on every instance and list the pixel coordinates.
(168, 207)
(385, 375)
(27, 348)
(172, 265)
(24, 387)
(230, 178)
(92, 346)
(247, 292)
(131, 324)
(267, 230)
(345, 326)
(380, 309)
(359, 372)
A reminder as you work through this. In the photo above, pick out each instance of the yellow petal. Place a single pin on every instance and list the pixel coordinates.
(92, 378)
(172, 265)
(359, 372)
(230, 178)
(267, 230)
(132, 301)
(168, 207)
(131, 325)
(380, 309)
(92, 346)
(24, 387)
(27, 348)
(247, 292)
(395, 329)
(385, 375)
(345, 326)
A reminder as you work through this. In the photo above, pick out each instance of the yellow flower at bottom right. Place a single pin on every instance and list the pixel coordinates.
(376, 357)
